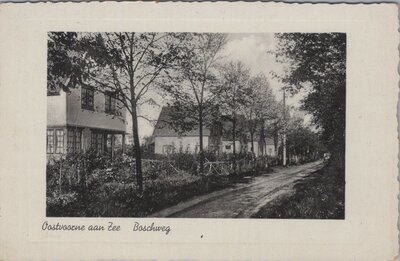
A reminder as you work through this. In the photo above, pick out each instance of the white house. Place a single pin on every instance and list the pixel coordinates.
(167, 140)
(83, 118)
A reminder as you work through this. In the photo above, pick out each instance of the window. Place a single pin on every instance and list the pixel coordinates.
(93, 143)
(78, 138)
(74, 140)
(70, 140)
(97, 141)
(59, 141)
(227, 147)
(55, 141)
(87, 98)
(167, 149)
(109, 142)
(50, 141)
(110, 103)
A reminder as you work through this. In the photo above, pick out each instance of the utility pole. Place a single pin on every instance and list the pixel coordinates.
(284, 128)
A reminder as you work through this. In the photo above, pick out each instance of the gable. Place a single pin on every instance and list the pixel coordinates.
(164, 128)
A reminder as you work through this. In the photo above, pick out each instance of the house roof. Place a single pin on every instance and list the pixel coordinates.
(164, 128)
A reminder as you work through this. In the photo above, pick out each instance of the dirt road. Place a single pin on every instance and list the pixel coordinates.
(243, 200)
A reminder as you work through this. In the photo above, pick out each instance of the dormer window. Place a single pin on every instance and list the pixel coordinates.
(110, 103)
(87, 98)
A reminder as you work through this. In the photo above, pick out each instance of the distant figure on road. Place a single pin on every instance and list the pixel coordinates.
(327, 156)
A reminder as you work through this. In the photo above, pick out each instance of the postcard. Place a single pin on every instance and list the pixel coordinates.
(198, 131)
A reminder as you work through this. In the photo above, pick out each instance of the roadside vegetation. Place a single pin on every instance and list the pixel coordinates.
(319, 195)
(92, 185)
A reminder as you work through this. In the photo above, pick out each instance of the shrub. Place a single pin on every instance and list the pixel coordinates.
(184, 161)
(109, 188)
(92, 185)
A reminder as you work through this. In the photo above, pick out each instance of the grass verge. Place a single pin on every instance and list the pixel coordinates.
(319, 195)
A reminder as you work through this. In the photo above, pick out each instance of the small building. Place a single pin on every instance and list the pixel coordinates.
(168, 140)
(83, 118)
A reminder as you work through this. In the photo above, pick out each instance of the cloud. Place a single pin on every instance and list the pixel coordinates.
(253, 50)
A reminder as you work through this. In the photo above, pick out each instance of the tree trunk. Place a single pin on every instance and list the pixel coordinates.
(138, 153)
(262, 139)
(252, 141)
(135, 133)
(201, 155)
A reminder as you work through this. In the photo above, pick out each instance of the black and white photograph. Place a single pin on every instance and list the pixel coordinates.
(196, 125)
(199, 131)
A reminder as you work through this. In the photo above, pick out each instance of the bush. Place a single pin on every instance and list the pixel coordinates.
(92, 185)
(108, 196)
(184, 161)
(108, 188)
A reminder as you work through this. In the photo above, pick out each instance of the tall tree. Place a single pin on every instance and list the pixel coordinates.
(260, 109)
(318, 62)
(127, 64)
(233, 94)
(191, 90)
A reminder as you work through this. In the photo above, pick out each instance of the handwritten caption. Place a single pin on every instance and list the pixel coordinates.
(109, 227)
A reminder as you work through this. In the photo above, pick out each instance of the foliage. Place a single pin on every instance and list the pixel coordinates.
(260, 109)
(318, 62)
(190, 92)
(232, 94)
(126, 64)
(317, 196)
(302, 141)
(185, 161)
(106, 187)
(110, 190)
(64, 67)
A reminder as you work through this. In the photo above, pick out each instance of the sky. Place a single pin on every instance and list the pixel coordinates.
(252, 50)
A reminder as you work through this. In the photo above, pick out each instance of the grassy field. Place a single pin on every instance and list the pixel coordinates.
(319, 195)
